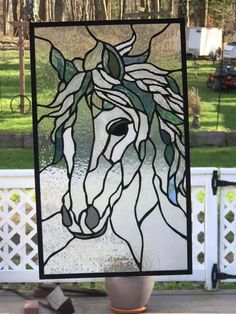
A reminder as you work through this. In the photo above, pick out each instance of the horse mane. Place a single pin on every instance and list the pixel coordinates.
(107, 77)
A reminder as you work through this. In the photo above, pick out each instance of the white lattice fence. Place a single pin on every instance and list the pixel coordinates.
(227, 256)
(18, 249)
(204, 228)
(18, 233)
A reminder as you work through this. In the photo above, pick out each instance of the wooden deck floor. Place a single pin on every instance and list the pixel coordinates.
(160, 302)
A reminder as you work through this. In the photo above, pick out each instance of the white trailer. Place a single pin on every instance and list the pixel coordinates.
(229, 52)
(202, 41)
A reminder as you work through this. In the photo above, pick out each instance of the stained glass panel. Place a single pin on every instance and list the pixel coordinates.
(111, 148)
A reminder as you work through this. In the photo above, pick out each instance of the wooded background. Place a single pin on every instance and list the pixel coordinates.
(208, 13)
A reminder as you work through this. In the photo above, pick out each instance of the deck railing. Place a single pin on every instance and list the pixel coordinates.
(18, 230)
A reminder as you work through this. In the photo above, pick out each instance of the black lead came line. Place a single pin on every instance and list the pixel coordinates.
(58, 251)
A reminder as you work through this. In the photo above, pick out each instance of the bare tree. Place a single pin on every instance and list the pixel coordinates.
(206, 12)
(72, 6)
(59, 10)
(108, 5)
(85, 10)
(122, 9)
(43, 10)
(100, 10)
(154, 5)
(171, 7)
(22, 5)
(103, 10)
(14, 13)
(6, 6)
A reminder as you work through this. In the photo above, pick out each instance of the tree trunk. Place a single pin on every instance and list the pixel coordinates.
(5, 16)
(195, 15)
(187, 17)
(72, 10)
(91, 10)
(103, 10)
(43, 10)
(100, 9)
(202, 12)
(122, 8)
(22, 8)
(14, 10)
(14, 13)
(59, 10)
(108, 6)
(97, 11)
(206, 12)
(155, 5)
(52, 11)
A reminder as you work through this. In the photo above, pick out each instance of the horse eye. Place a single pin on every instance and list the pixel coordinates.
(119, 128)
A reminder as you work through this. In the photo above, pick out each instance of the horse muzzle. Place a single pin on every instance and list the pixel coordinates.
(90, 222)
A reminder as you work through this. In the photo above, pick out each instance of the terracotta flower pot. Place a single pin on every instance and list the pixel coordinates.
(129, 294)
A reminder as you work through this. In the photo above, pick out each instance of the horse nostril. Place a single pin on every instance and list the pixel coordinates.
(92, 218)
(66, 217)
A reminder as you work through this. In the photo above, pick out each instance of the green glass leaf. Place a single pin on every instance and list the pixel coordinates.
(169, 154)
(70, 71)
(132, 96)
(58, 62)
(146, 99)
(136, 59)
(165, 136)
(169, 116)
(173, 85)
(84, 87)
(58, 145)
(107, 105)
(112, 63)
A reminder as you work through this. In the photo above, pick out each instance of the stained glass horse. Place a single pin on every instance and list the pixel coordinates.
(130, 166)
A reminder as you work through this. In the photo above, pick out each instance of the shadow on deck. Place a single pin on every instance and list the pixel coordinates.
(160, 302)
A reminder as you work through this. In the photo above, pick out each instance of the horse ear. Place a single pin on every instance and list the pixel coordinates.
(112, 63)
(65, 68)
(58, 61)
(93, 57)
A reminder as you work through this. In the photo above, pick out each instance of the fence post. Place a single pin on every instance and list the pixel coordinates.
(211, 230)
(227, 234)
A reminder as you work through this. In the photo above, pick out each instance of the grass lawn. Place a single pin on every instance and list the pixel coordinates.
(221, 157)
(9, 87)
(197, 77)
(16, 158)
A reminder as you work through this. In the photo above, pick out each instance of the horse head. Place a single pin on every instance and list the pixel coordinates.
(131, 155)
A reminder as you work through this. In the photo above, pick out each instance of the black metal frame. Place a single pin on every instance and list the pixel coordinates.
(181, 23)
